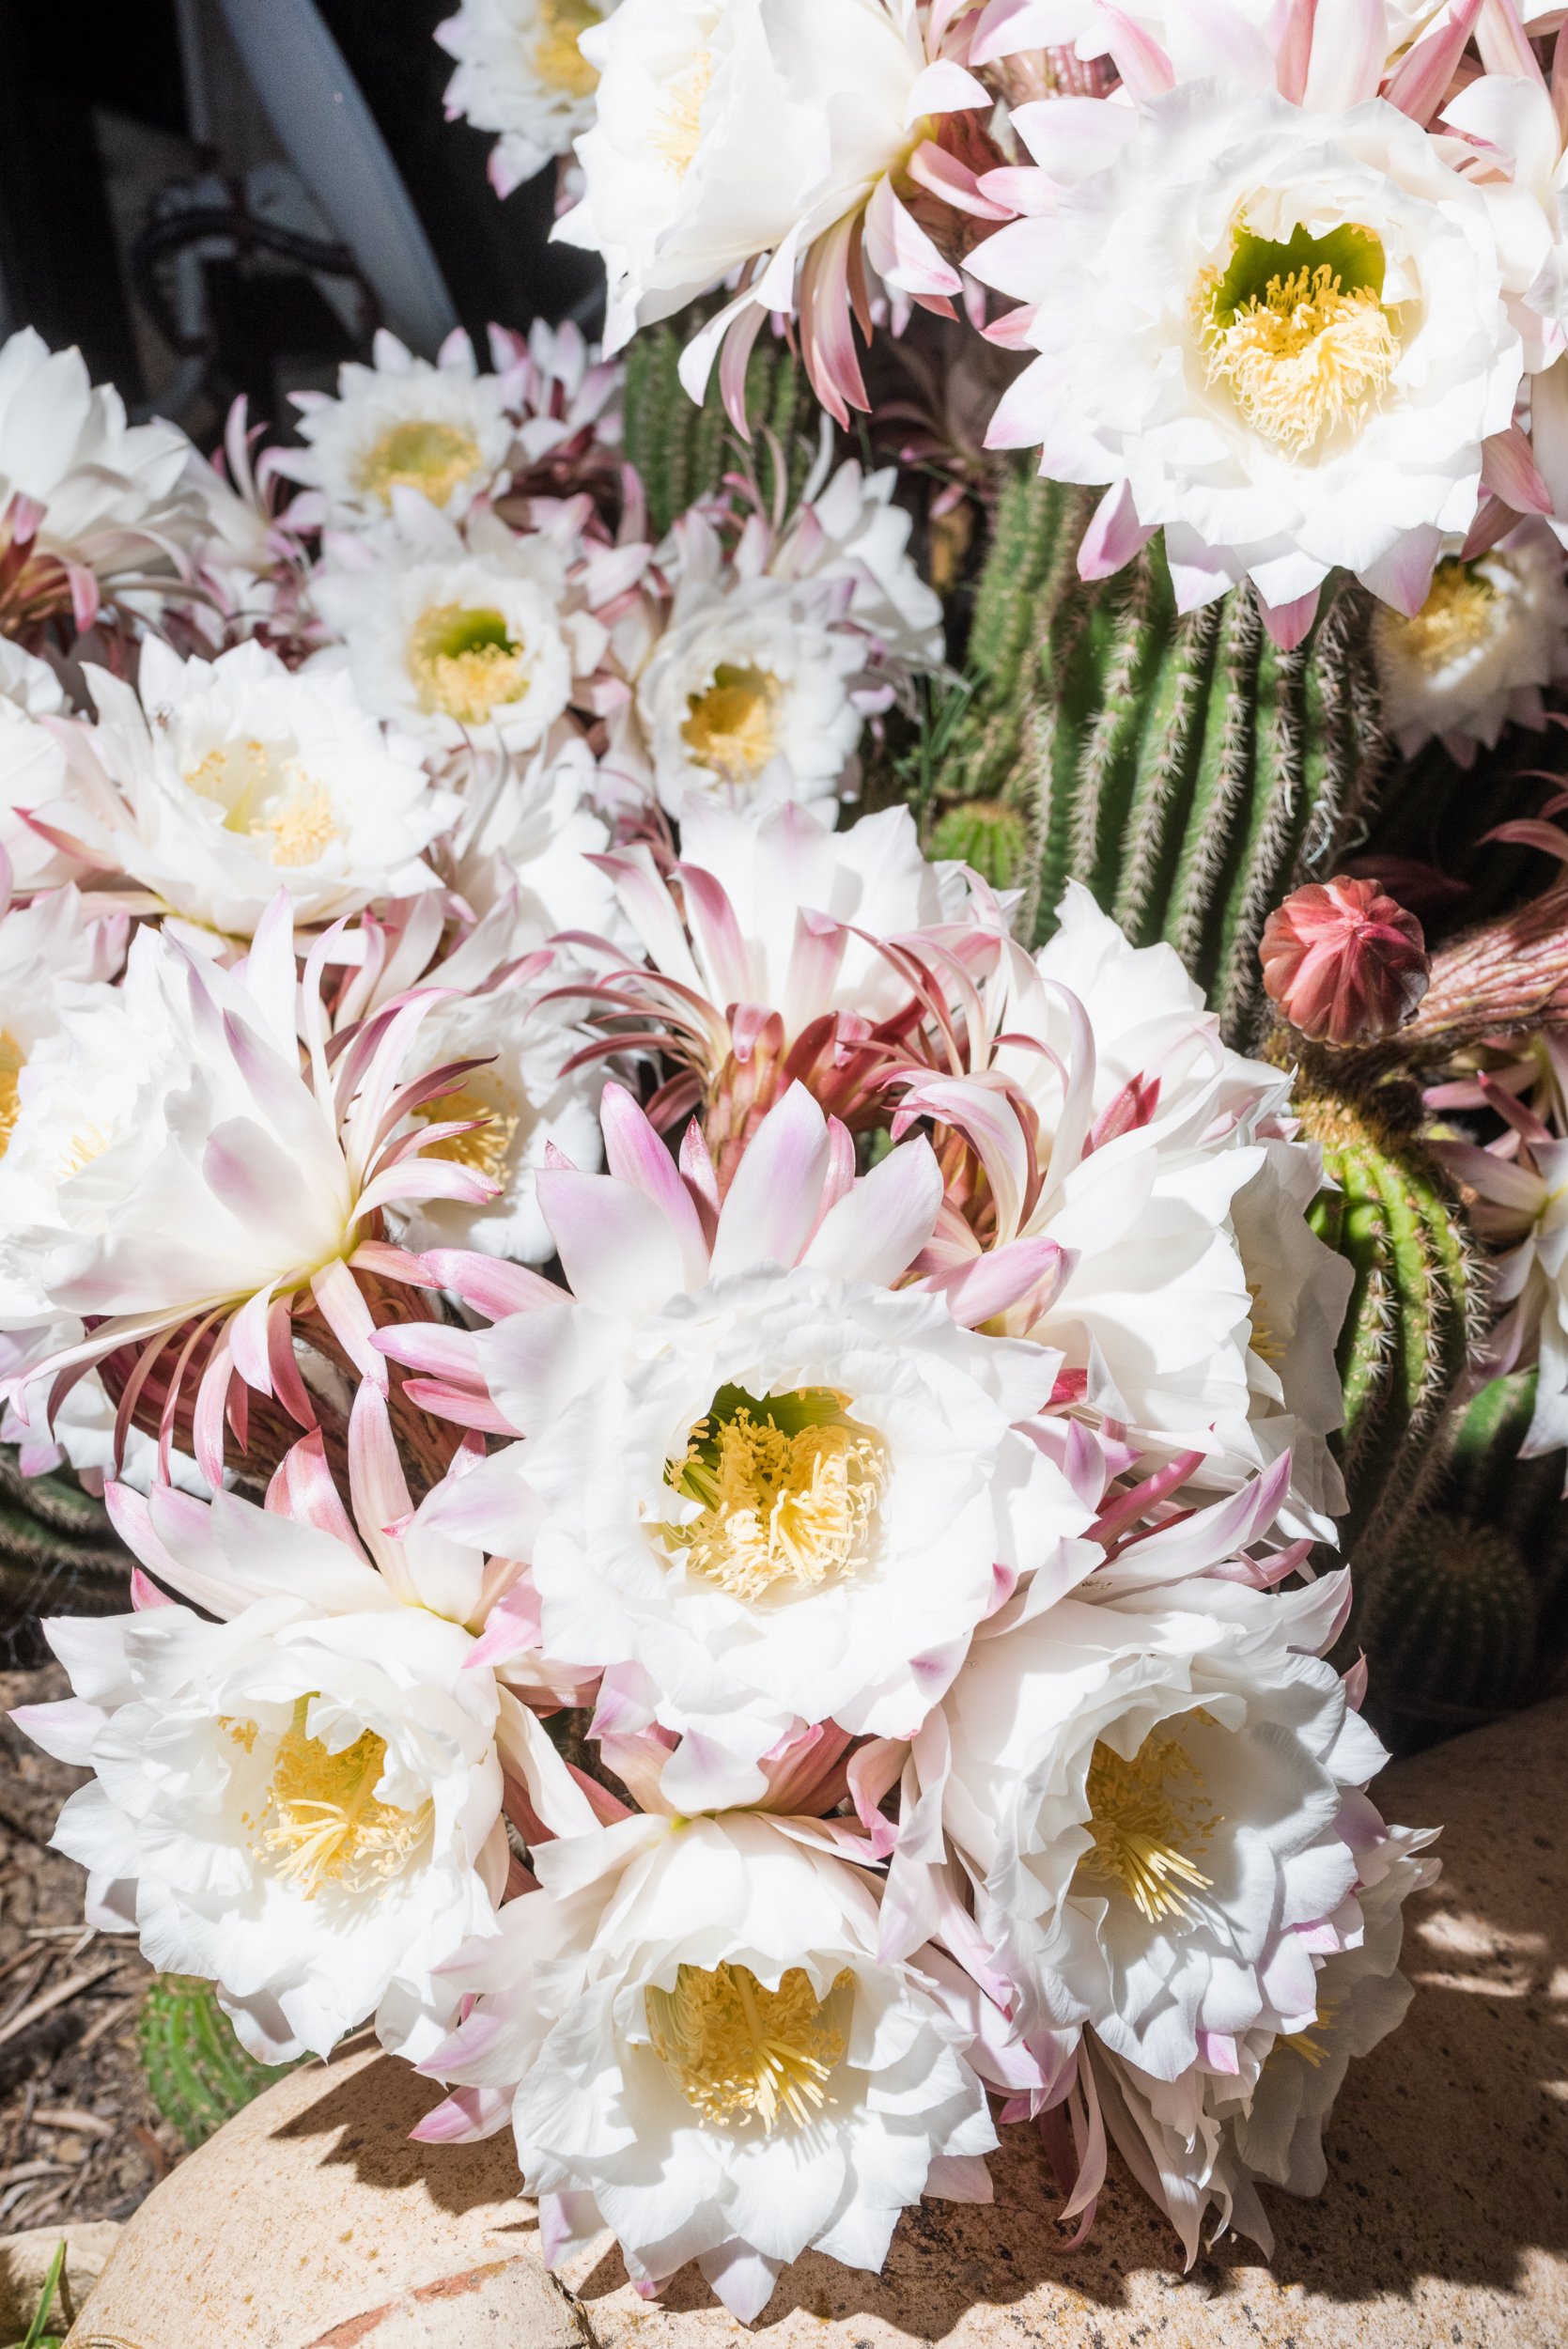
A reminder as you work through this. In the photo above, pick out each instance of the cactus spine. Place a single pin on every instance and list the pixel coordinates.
(1404, 1339)
(1183, 767)
(197, 2074)
(58, 1552)
(682, 451)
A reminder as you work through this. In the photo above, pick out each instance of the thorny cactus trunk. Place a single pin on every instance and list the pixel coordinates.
(58, 1554)
(1185, 769)
(1465, 1613)
(682, 452)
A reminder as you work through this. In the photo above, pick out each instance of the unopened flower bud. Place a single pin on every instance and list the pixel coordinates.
(1344, 961)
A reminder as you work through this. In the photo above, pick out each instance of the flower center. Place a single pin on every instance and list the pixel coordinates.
(743, 2053)
(1460, 613)
(13, 1062)
(323, 1824)
(1298, 334)
(678, 132)
(486, 1147)
(424, 456)
(266, 793)
(789, 1485)
(557, 59)
(1141, 1814)
(465, 664)
(730, 728)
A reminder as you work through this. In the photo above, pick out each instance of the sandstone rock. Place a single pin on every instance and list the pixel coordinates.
(25, 2261)
(310, 2223)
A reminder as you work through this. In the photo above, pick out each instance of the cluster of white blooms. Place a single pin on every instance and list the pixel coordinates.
(1289, 282)
(721, 1459)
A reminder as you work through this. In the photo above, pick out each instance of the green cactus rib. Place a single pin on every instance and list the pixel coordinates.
(59, 1551)
(1184, 768)
(682, 451)
(1403, 1342)
(988, 838)
(1450, 1620)
(197, 2074)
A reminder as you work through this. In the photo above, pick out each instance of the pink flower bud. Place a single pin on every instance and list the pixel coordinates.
(1344, 961)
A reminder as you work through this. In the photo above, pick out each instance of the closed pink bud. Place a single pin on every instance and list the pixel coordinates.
(1344, 961)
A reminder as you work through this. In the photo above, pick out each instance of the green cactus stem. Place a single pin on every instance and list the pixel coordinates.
(197, 2074)
(682, 451)
(58, 1554)
(1405, 1340)
(1183, 767)
(985, 835)
(1448, 1622)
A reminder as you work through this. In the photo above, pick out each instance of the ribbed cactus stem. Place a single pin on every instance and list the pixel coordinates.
(1181, 765)
(1448, 1622)
(984, 836)
(681, 451)
(1405, 1340)
(59, 1553)
(197, 2074)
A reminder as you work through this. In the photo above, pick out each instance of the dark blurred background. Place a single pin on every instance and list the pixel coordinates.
(216, 196)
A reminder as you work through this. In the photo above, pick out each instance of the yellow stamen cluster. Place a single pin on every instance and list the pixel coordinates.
(1264, 1345)
(783, 1504)
(465, 664)
(679, 130)
(1141, 1814)
(419, 455)
(323, 1824)
(265, 792)
(486, 1147)
(1304, 357)
(303, 829)
(741, 2053)
(12, 1061)
(731, 726)
(557, 59)
(1461, 612)
(1303, 2044)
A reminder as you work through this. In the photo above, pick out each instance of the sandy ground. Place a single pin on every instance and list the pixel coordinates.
(79, 2135)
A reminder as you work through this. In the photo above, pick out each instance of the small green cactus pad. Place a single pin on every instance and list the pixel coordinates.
(59, 1555)
(196, 2071)
(1404, 1339)
(1449, 1621)
(682, 451)
(1183, 767)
